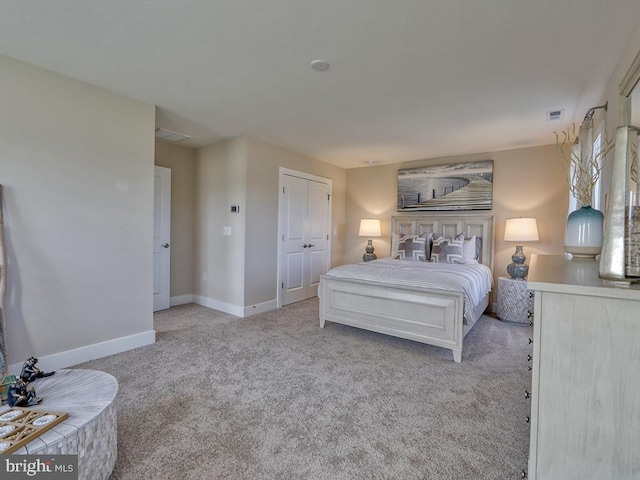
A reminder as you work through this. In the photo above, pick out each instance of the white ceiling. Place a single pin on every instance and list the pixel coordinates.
(409, 79)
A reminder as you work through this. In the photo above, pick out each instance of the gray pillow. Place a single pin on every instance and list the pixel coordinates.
(414, 248)
(448, 250)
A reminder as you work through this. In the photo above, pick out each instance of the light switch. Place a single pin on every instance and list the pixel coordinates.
(226, 230)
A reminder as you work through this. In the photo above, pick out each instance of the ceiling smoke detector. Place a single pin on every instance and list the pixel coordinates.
(320, 65)
(170, 136)
(554, 115)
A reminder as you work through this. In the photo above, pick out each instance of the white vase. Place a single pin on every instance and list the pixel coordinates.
(583, 237)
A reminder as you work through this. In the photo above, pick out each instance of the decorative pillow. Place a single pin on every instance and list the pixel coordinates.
(448, 250)
(395, 240)
(469, 250)
(412, 247)
(478, 248)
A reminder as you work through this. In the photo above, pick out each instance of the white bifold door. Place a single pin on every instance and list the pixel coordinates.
(305, 226)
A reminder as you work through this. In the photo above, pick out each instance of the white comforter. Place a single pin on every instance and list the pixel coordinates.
(473, 280)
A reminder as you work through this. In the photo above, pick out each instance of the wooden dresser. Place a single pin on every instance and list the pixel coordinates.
(585, 391)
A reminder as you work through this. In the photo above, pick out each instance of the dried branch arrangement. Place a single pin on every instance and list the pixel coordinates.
(582, 165)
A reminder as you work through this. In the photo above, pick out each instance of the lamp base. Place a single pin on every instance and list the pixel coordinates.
(369, 255)
(518, 270)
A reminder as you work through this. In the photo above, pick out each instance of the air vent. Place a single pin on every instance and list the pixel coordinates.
(555, 115)
(170, 136)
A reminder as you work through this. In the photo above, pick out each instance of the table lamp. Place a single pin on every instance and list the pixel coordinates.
(369, 227)
(520, 230)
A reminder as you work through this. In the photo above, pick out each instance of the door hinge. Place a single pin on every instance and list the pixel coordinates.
(328, 197)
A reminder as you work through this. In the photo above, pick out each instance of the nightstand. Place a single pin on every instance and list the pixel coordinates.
(515, 301)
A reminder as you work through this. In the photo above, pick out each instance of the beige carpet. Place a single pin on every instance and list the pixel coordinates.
(275, 397)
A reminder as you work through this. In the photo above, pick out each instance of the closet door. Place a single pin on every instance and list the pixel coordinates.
(305, 237)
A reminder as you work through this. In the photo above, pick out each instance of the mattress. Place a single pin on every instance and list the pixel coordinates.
(473, 280)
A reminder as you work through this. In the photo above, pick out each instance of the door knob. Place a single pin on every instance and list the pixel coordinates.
(165, 245)
(305, 246)
(311, 245)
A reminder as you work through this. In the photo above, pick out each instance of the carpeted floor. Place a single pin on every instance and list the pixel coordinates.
(275, 397)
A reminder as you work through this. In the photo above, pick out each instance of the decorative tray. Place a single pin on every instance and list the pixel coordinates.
(18, 426)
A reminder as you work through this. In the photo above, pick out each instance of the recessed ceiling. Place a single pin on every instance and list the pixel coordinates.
(409, 79)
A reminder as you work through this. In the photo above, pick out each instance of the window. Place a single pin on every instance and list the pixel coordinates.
(599, 143)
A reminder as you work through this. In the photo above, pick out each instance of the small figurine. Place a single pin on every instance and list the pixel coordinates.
(21, 396)
(30, 372)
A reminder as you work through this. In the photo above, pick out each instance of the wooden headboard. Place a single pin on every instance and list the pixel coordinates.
(449, 226)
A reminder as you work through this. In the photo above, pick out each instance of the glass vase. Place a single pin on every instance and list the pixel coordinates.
(583, 236)
(620, 258)
(632, 236)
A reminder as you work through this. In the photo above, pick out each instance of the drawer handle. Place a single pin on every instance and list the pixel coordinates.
(529, 314)
(529, 358)
(530, 341)
(527, 395)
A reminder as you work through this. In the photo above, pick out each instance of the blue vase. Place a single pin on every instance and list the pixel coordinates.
(583, 237)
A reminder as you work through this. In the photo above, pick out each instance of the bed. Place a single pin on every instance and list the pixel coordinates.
(423, 310)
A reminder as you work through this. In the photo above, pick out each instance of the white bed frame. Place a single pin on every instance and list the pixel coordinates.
(434, 317)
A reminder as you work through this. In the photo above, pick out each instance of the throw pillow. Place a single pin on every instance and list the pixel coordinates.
(469, 250)
(413, 247)
(448, 250)
(395, 241)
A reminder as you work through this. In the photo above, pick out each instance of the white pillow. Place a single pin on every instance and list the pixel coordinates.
(469, 250)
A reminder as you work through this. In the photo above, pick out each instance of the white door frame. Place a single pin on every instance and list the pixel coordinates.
(161, 243)
(306, 176)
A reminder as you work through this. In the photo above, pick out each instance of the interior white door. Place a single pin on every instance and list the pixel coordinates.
(305, 237)
(161, 238)
(317, 235)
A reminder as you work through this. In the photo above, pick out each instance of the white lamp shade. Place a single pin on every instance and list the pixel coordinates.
(521, 230)
(370, 227)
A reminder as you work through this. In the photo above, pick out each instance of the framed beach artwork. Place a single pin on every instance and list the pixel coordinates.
(458, 186)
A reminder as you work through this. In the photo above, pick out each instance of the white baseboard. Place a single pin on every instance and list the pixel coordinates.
(218, 305)
(236, 310)
(260, 308)
(90, 352)
(181, 299)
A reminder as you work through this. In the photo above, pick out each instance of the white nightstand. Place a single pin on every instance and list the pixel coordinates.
(515, 301)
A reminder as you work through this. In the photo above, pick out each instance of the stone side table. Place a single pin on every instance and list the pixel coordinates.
(88, 396)
(514, 301)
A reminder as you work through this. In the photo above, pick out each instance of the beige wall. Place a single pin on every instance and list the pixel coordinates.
(77, 167)
(220, 182)
(526, 182)
(242, 268)
(182, 162)
(261, 249)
